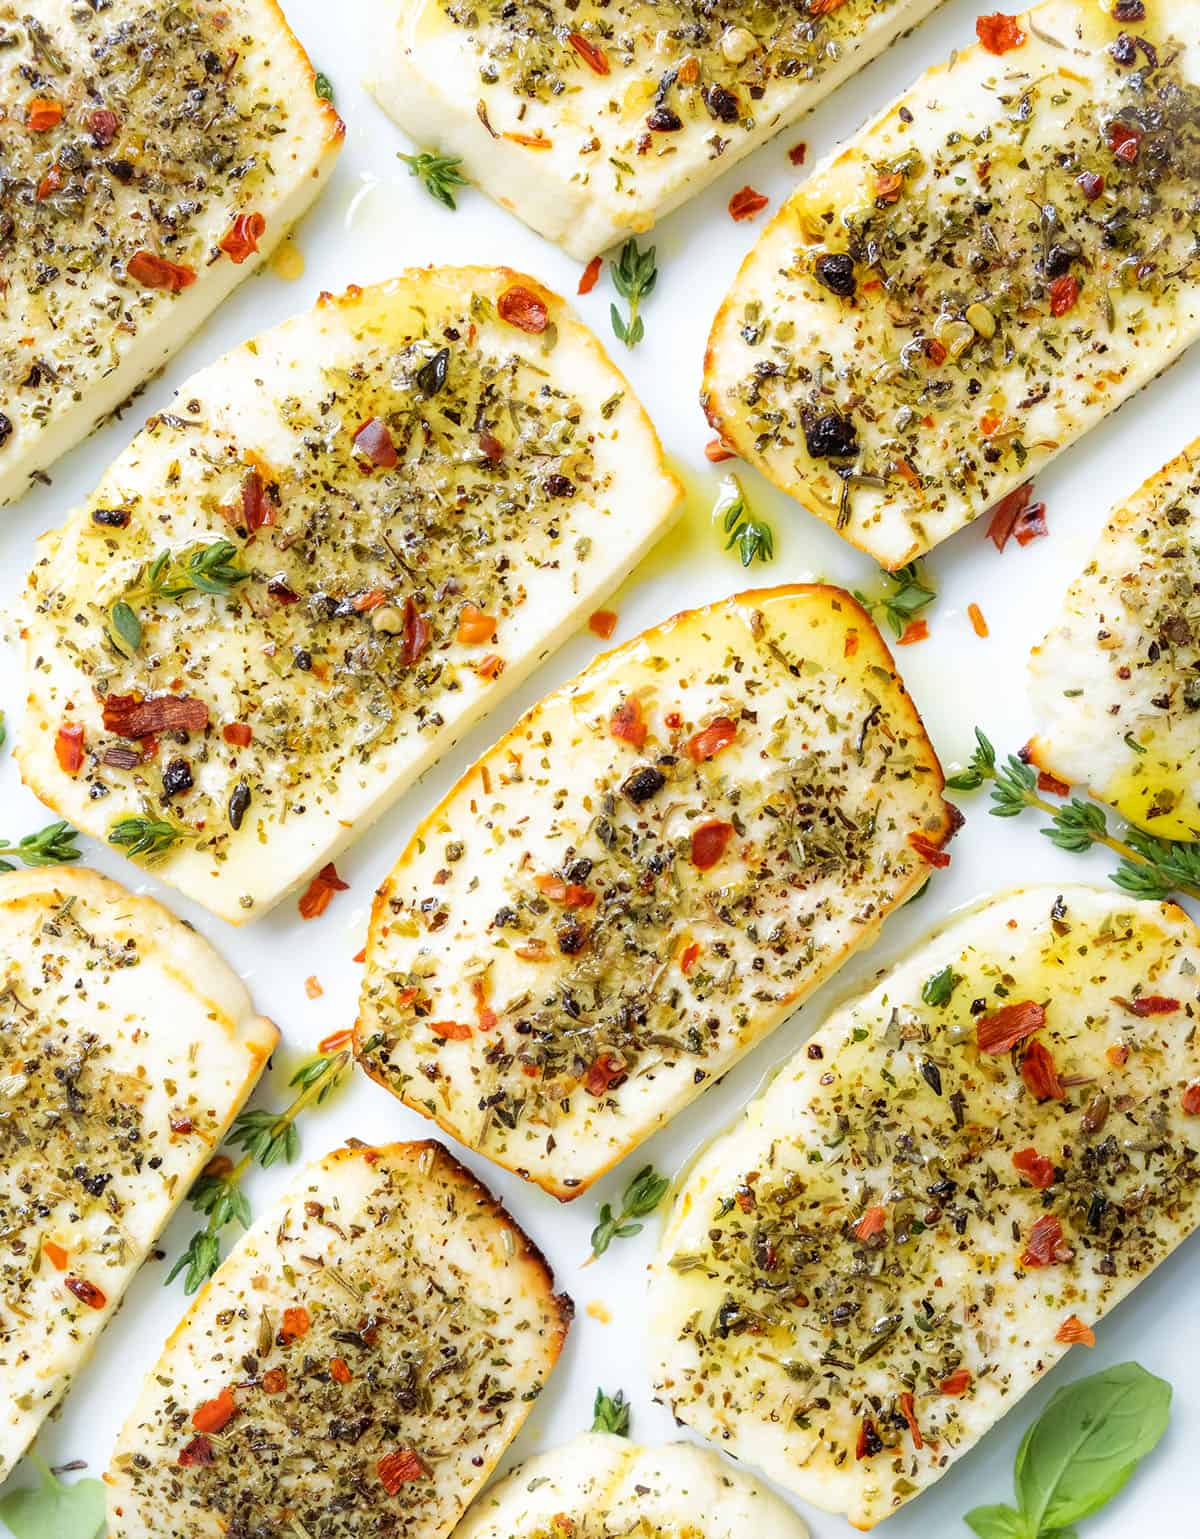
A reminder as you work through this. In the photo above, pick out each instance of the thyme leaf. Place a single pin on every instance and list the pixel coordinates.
(322, 86)
(753, 537)
(641, 1197)
(634, 275)
(937, 990)
(147, 837)
(53, 845)
(905, 599)
(610, 1413)
(438, 173)
(209, 569)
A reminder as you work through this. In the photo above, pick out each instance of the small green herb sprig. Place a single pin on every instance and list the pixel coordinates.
(753, 537)
(209, 568)
(266, 1137)
(938, 989)
(900, 604)
(1079, 1453)
(147, 838)
(634, 276)
(52, 1509)
(640, 1198)
(610, 1413)
(439, 174)
(53, 845)
(322, 86)
(1148, 867)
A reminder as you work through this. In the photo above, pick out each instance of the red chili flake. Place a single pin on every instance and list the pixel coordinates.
(339, 1370)
(491, 448)
(1124, 141)
(336, 1041)
(957, 1383)
(474, 627)
(1031, 525)
(198, 1451)
(524, 310)
(182, 1126)
(1051, 783)
(415, 636)
(490, 667)
(603, 623)
(1190, 1100)
(452, 1031)
(869, 1442)
(591, 274)
(908, 1411)
(603, 1074)
(103, 126)
(746, 203)
(373, 442)
(1063, 291)
(1004, 1028)
(396, 1469)
(318, 895)
(1046, 1245)
(44, 114)
(86, 1292)
(627, 724)
(934, 350)
(1040, 1074)
(591, 53)
(929, 852)
(296, 1322)
(1073, 1332)
(55, 1255)
(716, 452)
(978, 624)
(68, 749)
(364, 603)
(887, 188)
(237, 734)
(1034, 1168)
(274, 1381)
(914, 631)
(1006, 513)
(155, 272)
(134, 719)
(256, 506)
(281, 593)
(215, 1414)
(998, 33)
(51, 183)
(1148, 1004)
(709, 843)
(711, 740)
(689, 956)
(873, 1221)
(797, 153)
(1091, 184)
(241, 239)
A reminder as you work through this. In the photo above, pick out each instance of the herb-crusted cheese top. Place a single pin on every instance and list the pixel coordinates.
(591, 120)
(105, 1117)
(961, 1173)
(1116, 683)
(351, 538)
(996, 262)
(603, 1487)
(645, 876)
(358, 1364)
(133, 141)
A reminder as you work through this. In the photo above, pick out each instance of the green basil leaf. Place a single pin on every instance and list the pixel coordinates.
(998, 1523)
(1087, 1443)
(51, 1510)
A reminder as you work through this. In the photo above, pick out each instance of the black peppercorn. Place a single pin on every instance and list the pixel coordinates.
(722, 104)
(835, 271)
(559, 486)
(829, 436)
(177, 778)
(664, 120)
(571, 936)
(111, 518)
(643, 784)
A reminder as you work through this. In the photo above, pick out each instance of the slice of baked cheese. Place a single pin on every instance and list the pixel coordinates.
(352, 537)
(152, 158)
(1116, 683)
(591, 121)
(973, 281)
(128, 1048)
(645, 876)
(965, 1169)
(599, 1486)
(359, 1363)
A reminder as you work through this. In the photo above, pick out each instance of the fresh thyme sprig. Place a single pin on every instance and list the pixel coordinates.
(1148, 867)
(53, 845)
(266, 1137)
(610, 1413)
(634, 275)
(908, 595)
(147, 837)
(198, 569)
(641, 1197)
(752, 536)
(438, 173)
(322, 86)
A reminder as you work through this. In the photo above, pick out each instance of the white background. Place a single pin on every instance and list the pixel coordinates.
(374, 220)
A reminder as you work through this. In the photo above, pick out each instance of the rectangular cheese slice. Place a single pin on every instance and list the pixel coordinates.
(591, 121)
(152, 158)
(399, 503)
(645, 877)
(975, 280)
(128, 1047)
(357, 1366)
(957, 1177)
(1116, 682)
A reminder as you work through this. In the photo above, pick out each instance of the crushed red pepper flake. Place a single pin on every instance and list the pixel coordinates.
(999, 33)
(746, 203)
(1003, 1029)
(1034, 1168)
(132, 718)
(523, 309)
(155, 272)
(710, 840)
(1046, 1245)
(240, 240)
(318, 895)
(1040, 1073)
(1073, 1332)
(591, 275)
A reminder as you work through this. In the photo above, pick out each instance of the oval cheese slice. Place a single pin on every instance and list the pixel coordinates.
(975, 280)
(127, 1049)
(354, 536)
(152, 158)
(590, 122)
(955, 1180)
(645, 876)
(600, 1486)
(1116, 683)
(357, 1365)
